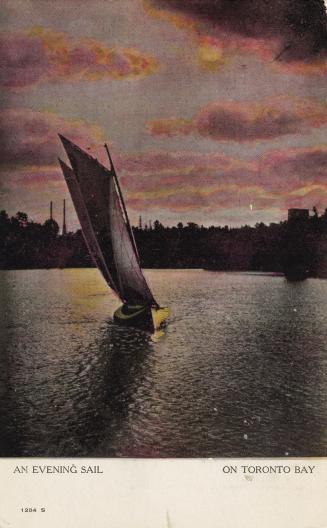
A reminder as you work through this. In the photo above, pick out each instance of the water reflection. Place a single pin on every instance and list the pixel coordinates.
(67, 409)
(240, 370)
(128, 363)
(271, 395)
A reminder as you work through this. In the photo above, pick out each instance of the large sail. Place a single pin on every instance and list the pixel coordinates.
(86, 224)
(98, 205)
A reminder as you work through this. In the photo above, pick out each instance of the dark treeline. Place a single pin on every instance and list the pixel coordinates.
(26, 244)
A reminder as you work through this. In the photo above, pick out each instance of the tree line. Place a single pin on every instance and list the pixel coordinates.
(27, 244)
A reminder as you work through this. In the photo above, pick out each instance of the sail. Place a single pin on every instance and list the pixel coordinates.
(129, 273)
(95, 194)
(86, 224)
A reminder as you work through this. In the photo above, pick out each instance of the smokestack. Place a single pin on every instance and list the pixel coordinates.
(51, 211)
(64, 228)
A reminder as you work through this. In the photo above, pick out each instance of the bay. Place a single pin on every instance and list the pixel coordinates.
(240, 370)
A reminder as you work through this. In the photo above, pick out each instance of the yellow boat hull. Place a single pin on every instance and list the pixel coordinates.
(145, 317)
(159, 316)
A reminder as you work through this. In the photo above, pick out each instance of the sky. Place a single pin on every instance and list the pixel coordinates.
(214, 110)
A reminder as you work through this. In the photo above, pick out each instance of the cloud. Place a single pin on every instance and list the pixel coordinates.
(294, 169)
(184, 182)
(30, 138)
(170, 127)
(175, 184)
(291, 31)
(32, 178)
(41, 55)
(30, 174)
(247, 121)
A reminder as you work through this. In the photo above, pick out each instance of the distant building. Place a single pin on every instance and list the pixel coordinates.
(298, 214)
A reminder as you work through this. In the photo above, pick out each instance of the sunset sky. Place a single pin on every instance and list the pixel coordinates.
(215, 110)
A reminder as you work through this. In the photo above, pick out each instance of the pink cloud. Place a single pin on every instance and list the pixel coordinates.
(23, 61)
(32, 177)
(175, 182)
(158, 172)
(41, 55)
(31, 138)
(291, 169)
(247, 120)
(190, 182)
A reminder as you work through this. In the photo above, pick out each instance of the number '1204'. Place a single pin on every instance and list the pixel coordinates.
(31, 510)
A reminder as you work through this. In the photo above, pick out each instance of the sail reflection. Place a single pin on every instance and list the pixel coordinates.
(68, 406)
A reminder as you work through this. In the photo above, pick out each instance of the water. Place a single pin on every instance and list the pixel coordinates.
(241, 369)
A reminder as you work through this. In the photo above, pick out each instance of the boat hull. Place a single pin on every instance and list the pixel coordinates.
(145, 317)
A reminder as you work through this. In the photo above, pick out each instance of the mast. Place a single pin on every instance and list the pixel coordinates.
(64, 228)
(51, 211)
(129, 229)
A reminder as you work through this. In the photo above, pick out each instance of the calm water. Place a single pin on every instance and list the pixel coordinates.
(241, 369)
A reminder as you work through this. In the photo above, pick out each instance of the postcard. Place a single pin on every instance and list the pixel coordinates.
(163, 263)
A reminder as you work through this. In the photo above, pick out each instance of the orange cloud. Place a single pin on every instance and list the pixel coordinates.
(247, 120)
(291, 34)
(41, 55)
(170, 127)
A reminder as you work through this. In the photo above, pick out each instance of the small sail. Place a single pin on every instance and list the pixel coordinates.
(96, 198)
(129, 273)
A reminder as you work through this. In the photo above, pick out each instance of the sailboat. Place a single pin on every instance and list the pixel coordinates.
(99, 204)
